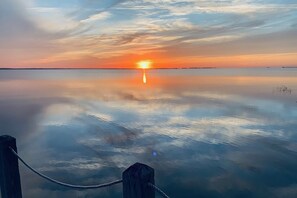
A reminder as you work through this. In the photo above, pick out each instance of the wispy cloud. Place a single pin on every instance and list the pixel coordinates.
(97, 17)
(107, 32)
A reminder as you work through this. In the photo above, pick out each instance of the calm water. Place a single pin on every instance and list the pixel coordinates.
(207, 133)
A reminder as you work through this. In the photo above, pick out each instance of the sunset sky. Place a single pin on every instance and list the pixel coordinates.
(170, 33)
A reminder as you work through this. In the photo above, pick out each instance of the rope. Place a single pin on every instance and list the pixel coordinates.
(79, 186)
(158, 190)
(62, 183)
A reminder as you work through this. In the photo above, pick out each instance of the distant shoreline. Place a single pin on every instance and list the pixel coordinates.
(105, 68)
(293, 67)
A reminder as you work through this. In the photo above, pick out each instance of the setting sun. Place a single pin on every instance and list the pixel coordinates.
(145, 64)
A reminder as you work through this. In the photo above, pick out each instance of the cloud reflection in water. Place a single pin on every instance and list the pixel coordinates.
(206, 134)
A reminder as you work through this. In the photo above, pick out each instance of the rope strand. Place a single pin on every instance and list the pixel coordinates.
(62, 183)
(158, 190)
(80, 187)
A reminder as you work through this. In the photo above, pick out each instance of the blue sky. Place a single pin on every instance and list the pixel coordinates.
(171, 33)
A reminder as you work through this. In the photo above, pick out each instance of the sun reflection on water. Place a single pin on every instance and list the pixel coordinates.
(144, 77)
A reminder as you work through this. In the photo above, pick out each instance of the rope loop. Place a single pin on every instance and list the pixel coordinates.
(81, 187)
(78, 187)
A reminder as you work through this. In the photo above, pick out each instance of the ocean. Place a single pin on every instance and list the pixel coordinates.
(206, 132)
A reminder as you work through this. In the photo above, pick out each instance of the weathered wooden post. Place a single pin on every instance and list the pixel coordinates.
(135, 181)
(9, 169)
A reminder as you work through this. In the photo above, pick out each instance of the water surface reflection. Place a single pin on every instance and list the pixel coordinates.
(207, 133)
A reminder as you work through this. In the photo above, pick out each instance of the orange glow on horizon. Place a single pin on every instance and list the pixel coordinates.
(161, 61)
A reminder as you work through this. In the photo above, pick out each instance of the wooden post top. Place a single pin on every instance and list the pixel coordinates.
(7, 141)
(135, 181)
(9, 169)
(4, 138)
(139, 170)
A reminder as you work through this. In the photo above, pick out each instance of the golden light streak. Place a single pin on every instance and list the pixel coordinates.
(144, 77)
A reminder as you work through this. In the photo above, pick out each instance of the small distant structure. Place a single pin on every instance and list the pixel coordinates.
(284, 89)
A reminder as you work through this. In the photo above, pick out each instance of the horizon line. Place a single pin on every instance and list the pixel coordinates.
(155, 68)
